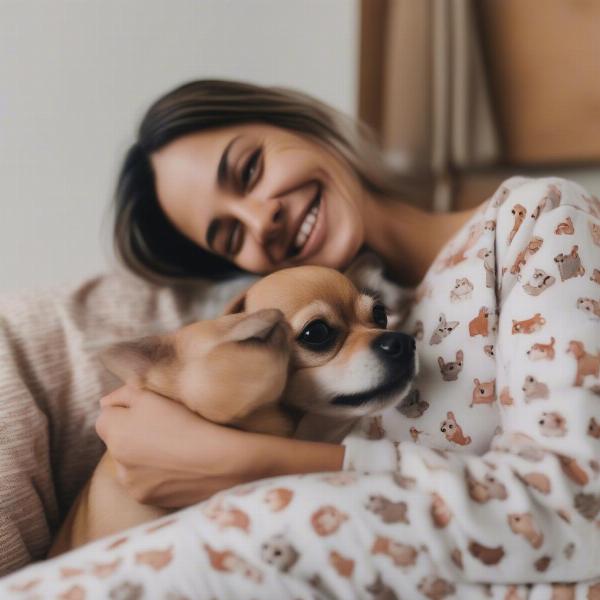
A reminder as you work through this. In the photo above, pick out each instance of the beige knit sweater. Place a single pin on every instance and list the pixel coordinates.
(50, 385)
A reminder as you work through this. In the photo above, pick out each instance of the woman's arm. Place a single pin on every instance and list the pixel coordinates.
(528, 510)
(170, 457)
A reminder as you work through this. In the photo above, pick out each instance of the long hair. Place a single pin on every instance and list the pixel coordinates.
(146, 241)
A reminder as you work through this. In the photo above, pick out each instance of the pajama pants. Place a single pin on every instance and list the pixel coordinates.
(300, 537)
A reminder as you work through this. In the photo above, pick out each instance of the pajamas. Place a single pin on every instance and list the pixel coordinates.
(484, 482)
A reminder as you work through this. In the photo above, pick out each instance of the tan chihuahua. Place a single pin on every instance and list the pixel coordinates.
(230, 370)
(345, 364)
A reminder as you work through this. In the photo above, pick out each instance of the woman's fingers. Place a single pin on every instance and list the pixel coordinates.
(122, 396)
(109, 415)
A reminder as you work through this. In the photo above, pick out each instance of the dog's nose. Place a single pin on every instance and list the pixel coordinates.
(394, 345)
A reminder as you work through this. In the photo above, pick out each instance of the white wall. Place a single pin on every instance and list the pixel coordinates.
(76, 75)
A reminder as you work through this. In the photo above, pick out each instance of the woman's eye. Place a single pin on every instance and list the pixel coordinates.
(234, 242)
(380, 316)
(317, 335)
(251, 168)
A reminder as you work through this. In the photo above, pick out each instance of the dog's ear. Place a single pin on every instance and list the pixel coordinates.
(366, 271)
(131, 361)
(236, 305)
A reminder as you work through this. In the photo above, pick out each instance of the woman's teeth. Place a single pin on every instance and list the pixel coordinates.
(306, 227)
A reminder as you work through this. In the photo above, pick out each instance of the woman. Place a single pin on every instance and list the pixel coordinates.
(222, 179)
(205, 147)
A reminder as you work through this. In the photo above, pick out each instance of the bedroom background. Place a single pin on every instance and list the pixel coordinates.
(462, 92)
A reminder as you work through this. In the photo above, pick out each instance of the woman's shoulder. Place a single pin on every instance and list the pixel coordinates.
(540, 195)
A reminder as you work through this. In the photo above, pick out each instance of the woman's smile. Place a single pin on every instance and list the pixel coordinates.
(304, 243)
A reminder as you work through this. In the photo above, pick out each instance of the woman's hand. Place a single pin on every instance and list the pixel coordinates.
(170, 457)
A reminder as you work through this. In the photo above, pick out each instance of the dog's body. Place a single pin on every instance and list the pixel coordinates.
(310, 341)
(200, 366)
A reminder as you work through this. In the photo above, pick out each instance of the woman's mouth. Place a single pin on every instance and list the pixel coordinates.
(311, 231)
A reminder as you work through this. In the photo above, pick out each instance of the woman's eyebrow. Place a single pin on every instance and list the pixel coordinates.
(223, 168)
(222, 182)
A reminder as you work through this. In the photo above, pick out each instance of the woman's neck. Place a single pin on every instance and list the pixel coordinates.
(407, 238)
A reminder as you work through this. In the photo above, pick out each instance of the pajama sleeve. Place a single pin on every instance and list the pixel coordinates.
(528, 509)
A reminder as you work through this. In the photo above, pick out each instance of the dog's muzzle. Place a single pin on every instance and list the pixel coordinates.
(396, 351)
(394, 346)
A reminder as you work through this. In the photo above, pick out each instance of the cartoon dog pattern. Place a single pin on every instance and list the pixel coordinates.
(484, 444)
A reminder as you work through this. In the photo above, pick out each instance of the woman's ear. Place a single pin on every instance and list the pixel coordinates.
(236, 305)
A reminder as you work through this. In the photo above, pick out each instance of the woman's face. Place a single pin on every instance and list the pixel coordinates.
(262, 197)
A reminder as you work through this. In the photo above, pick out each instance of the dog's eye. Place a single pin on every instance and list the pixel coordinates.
(380, 316)
(317, 335)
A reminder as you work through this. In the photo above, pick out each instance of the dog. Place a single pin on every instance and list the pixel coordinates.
(258, 368)
(345, 363)
(230, 370)
(569, 265)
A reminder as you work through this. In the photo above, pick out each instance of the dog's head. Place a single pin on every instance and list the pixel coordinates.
(345, 363)
(223, 369)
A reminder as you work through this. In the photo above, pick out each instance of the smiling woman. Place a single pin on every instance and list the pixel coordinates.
(227, 176)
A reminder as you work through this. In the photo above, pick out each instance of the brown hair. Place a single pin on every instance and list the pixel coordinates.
(147, 242)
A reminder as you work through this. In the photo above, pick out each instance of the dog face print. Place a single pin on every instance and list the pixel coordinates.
(528, 326)
(462, 290)
(595, 231)
(552, 424)
(589, 306)
(588, 505)
(412, 406)
(155, 559)
(402, 555)
(327, 520)
(435, 588)
(344, 566)
(453, 432)
(530, 249)
(565, 227)
(538, 282)
(534, 389)
(519, 213)
(489, 264)
(523, 524)
(443, 329)
(388, 511)
(550, 200)
(380, 591)
(279, 552)
(483, 392)
(500, 196)
(278, 498)
(542, 351)
(594, 428)
(488, 489)
(450, 370)
(595, 277)
(569, 265)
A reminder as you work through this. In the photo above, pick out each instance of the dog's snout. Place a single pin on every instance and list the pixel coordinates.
(394, 345)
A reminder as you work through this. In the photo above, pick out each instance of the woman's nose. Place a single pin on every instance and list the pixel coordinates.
(263, 218)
